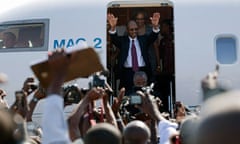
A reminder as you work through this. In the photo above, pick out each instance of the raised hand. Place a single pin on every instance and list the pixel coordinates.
(155, 19)
(40, 93)
(95, 93)
(112, 20)
(149, 106)
(20, 105)
(58, 65)
(29, 86)
(118, 100)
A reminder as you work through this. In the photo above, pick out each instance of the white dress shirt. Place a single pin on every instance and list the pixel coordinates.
(128, 62)
(55, 129)
(166, 130)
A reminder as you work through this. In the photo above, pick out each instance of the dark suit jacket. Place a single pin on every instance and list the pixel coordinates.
(122, 42)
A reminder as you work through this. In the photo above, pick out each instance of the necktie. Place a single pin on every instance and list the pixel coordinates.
(134, 57)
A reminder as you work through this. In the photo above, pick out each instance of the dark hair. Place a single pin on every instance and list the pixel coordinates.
(12, 35)
(7, 127)
(139, 11)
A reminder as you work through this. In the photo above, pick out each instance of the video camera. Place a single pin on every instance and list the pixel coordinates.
(71, 94)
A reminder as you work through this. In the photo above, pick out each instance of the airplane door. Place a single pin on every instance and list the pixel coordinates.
(160, 53)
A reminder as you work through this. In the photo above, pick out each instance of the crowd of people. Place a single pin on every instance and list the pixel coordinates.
(217, 122)
(134, 116)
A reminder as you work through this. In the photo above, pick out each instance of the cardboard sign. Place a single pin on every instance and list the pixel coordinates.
(83, 63)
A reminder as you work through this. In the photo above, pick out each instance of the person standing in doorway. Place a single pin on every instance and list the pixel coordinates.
(133, 55)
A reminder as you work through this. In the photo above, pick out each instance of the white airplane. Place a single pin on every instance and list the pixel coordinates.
(205, 33)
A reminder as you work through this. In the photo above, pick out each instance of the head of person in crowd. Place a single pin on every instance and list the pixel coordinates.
(179, 111)
(141, 19)
(188, 129)
(165, 27)
(219, 122)
(7, 127)
(136, 132)
(103, 133)
(3, 102)
(9, 40)
(140, 79)
(132, 29)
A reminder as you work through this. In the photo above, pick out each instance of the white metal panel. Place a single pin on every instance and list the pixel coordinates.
(196, 26)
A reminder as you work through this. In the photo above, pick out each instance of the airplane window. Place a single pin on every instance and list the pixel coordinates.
(226, 50)
(24, 35)
(21, 36)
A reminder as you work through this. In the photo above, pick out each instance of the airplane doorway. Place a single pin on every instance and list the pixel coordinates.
(161, 53)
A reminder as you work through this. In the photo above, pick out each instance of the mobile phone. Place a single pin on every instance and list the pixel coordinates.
(33, 86)
(20, 97)
(135, 99)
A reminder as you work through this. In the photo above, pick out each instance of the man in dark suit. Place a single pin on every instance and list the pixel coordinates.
(133, 55)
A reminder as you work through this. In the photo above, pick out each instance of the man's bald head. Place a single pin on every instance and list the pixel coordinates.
(103, 133)
(220, 119)
(136, 132)
(132, 28)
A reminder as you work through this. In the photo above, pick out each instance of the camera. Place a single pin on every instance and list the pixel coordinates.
(71, 94)
(97, 82)
(135, 99)
(33, 86)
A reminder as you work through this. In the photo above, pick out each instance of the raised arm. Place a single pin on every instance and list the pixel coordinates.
(150, 107)
(54, 126)
(116, 107)
(80, 110)
(38, 95)
(155, 20)
(112, 20)
(110, 118)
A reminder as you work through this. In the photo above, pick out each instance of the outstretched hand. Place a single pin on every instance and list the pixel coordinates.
(40, 93)
(155, 19)
(149, 106)
(95, 93)
(29, 86)
(58, 66)
(118, 100)
(58, 61)
(112, 20)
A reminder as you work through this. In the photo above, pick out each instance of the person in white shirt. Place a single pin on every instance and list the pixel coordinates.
(54, 125)
(55, 129)
(166, 129)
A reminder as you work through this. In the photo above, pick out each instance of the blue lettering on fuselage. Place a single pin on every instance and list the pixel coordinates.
(57, 44)
(70, 43)
(97, 42)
